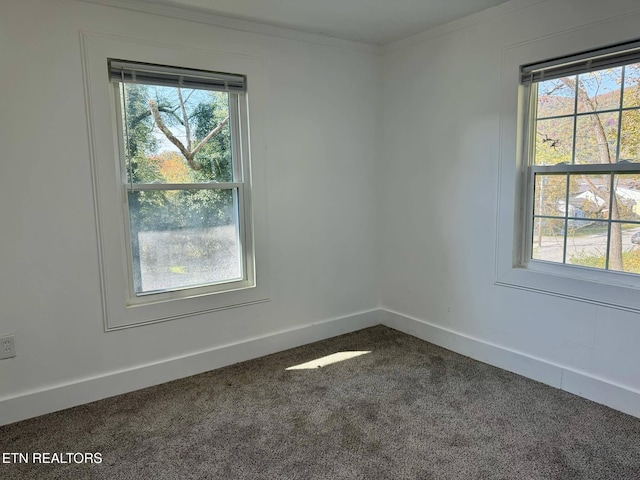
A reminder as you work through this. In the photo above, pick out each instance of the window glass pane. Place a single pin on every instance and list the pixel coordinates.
(548, 239)
(630, 136)
(589, 197)
(554, 141)
(587, 243)
(550, 195)
(627, 190)
(629, 246)
(632, 85)
(599, 231)
(596, 138)
(176, 135)
(184, 238)
(556, 97)
(599, 90)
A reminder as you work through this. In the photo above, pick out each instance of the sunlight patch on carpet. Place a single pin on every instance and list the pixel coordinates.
(328, 360)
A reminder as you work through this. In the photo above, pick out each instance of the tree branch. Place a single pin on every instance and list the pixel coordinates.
(171, 137)
(147, 113)
(601, 136)
(186, 119)
(187, 152)
(209, 136)
(556, 87)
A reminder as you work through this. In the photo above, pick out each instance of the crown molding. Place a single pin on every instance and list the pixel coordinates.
(459, 24)
(199, 16)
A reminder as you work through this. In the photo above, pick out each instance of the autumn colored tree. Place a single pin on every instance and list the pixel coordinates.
(172, 167)
(630, 139)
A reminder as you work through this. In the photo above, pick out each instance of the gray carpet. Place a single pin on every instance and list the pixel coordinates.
(407, 410)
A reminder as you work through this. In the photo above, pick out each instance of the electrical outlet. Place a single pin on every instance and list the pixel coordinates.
(7, 347)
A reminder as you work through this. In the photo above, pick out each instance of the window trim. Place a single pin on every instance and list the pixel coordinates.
(119, 311)
(606, 288)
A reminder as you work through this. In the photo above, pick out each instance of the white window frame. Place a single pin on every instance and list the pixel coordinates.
(240, 164)
(530, 114)
(513, 268)
(121, 307)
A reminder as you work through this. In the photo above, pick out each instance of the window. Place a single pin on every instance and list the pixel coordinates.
(178, 181)
(556, 231)
(583, 160)
(183, 163)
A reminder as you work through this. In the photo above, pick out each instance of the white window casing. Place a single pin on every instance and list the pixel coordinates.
(598, 47)
(143, 62)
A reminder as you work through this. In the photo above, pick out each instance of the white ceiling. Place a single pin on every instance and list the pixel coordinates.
(376, 22)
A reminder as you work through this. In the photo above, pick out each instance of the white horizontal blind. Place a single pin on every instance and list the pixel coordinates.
(148, 74)
(589, 61)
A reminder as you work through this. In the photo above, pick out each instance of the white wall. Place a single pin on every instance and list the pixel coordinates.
(319, 125)
(391, 201)
(438, 194)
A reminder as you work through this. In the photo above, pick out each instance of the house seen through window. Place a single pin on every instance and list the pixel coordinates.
(584, 161)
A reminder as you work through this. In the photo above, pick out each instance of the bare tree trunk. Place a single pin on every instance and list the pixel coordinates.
(187, 128)
(615, 245)
(615, 240)
(540, 220)
(188, 152)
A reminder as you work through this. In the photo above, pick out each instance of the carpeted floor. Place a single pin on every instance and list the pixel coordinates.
(406, 410)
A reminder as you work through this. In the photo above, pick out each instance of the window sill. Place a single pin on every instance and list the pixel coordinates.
(609, 289)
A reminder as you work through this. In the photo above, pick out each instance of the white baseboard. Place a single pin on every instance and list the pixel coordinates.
(599, 390)
(59, 397)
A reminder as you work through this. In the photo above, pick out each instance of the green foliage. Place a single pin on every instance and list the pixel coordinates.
(550, 192)
(630, 260)
(168, 210)
(629, 137)
(215, 157)
(138, 134)
(593, 261)
(177, 209)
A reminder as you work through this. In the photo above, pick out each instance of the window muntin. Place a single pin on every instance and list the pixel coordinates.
(183, 177)
(583, 171)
